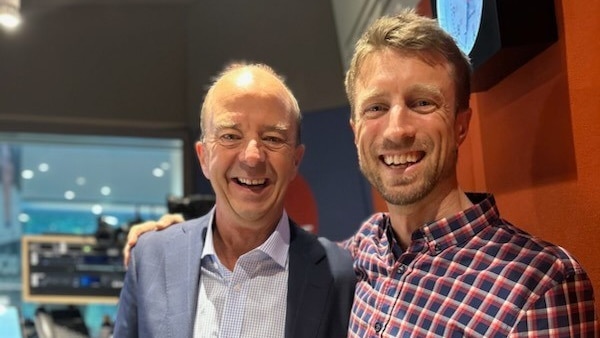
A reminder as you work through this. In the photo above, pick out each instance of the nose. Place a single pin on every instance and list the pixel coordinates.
(400, 125)
(252, 154)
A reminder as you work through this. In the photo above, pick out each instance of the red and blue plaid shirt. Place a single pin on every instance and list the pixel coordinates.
(472, 275)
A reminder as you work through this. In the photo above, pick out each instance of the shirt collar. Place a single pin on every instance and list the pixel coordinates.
(276, 246)
(459, 228)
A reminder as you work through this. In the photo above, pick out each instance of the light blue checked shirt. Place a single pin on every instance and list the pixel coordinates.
(249, 301)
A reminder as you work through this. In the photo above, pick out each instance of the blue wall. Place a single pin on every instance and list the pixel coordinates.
(330, 166)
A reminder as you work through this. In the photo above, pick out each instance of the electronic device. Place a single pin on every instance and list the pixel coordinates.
(191, 206)
(70, 270)
(461, 19)
(60, 323)
(499, 36)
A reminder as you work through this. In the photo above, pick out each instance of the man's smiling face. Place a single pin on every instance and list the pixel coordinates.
(405, 124)
(249, 151)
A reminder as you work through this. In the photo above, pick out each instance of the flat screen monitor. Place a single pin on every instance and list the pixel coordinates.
(70, 270)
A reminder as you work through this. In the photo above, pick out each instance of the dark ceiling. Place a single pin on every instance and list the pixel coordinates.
(133, 66)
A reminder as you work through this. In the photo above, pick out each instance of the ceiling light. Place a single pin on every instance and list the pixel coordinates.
(157, 172)
(69, 195)
(9, 13)
(23, 217)
(105, 190)
(96, 209)
(27, 174)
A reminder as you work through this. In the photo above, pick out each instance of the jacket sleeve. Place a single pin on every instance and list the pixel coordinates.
(126, 322)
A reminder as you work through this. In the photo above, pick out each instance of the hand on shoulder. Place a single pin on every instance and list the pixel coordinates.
(139, 229)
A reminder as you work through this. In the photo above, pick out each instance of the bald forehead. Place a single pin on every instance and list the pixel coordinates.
(251, 79)
(249, 83)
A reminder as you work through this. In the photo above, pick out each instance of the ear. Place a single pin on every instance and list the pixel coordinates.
(354, 131)
(461, 125)
(298, 155)
(201, 153)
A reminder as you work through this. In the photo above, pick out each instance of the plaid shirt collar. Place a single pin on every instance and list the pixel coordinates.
(446, 232)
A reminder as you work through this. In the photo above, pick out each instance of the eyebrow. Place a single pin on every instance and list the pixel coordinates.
(226, 125)
(223, 122)
(426, 89)
(281, 127)
(418, 89)
(370, 94)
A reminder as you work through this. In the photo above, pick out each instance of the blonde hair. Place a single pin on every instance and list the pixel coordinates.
(414, 35)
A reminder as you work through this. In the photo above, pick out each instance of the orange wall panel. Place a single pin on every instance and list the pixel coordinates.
(534, 140)
(539, 135)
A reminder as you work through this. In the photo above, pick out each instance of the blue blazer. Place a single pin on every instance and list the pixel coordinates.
(160, 294)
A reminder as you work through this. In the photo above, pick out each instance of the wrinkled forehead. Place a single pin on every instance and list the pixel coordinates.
(232, 121)
(251, 109)
(250, 95)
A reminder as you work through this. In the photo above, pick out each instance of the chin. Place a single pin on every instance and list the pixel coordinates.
(252, 214)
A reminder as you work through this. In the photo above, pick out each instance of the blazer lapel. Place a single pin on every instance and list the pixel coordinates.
(183, 275)
(308, 285)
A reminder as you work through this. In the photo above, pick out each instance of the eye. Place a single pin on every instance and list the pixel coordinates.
(229, 139)
(374, 110)
(274, 142)
(424, 106)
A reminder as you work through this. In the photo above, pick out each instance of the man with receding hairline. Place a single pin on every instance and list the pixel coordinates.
(244, 269)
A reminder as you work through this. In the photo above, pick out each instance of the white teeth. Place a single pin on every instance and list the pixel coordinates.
(400, 159)
(247, 181)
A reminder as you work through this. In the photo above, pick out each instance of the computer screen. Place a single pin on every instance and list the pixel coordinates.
(70, 270)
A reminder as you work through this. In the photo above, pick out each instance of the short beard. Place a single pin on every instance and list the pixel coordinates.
(400, 199)
(413, 196)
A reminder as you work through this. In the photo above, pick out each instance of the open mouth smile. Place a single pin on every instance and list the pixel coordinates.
(251, 183)
(402, 160)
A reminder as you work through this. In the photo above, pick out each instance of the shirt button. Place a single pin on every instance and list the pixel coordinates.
(438, 248)
(401, 269)
(378, 327)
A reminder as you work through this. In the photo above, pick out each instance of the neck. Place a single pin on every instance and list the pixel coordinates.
(232, 239)
(406, 219)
